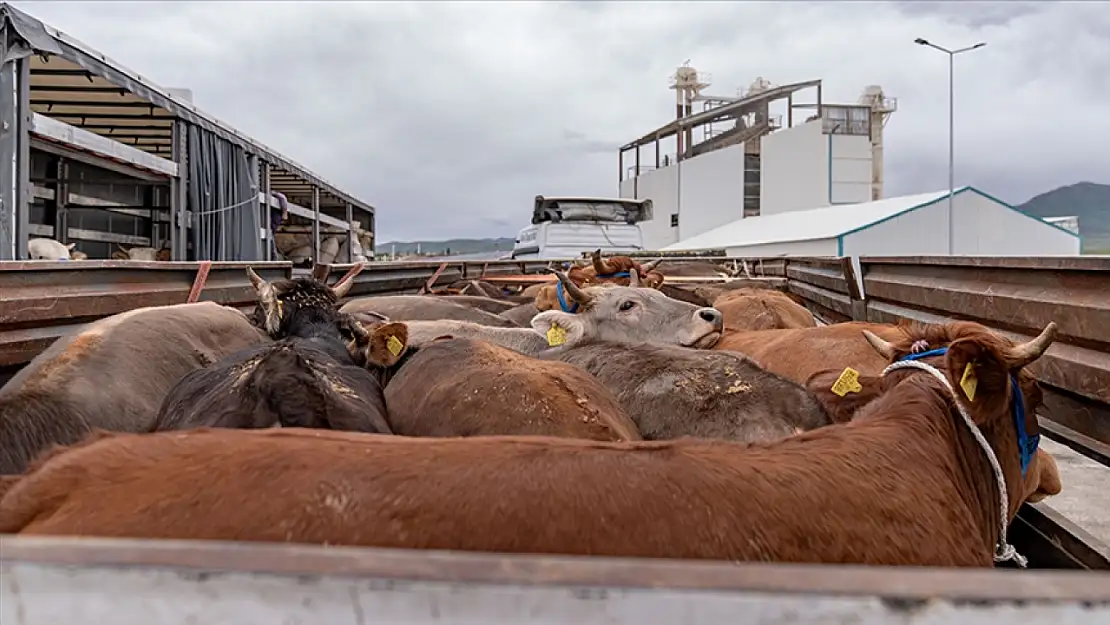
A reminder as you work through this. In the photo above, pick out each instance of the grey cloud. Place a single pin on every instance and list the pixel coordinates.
(451, 117)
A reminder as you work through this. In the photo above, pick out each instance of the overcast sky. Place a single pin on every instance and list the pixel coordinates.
(450, 117)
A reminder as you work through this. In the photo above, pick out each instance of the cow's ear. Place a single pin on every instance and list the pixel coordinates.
(843, 392)
(980, 378)
(559, 328)
(388, 343)
(546, 299)
(71, 246)
(653, 280)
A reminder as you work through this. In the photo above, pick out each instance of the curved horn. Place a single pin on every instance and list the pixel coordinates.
(600, 266)
(256, 280)
(886, 350)
(633, 278)
(340, 288)
(650, 266)
(576, 293)
(1026, 353)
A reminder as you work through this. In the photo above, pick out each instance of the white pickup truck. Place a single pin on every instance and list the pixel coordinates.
(565, 227)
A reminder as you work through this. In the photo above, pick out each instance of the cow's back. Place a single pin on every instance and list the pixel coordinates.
(671, 392)
(468, 387)
(798, 353)
(424, 308)
(762, 309)
(113, 375)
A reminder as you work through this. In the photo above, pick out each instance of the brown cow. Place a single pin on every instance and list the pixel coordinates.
(491, 305)
(425, 308)
(466, 387)
(748, 309)
(113, 374)
(905, 483)
(798, 353)
(1043, 478)
(616, 270)
(675, 391)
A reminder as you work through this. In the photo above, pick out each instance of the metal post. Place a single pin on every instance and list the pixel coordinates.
(636, 180)
(61, 199)
(351, 234)
(23, 157)
(951, 131)
(315, 224)
(15, 122)
(271, 236)
(256, 186)
(179, 193)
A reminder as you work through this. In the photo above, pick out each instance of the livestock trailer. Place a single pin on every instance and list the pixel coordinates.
(151, 582)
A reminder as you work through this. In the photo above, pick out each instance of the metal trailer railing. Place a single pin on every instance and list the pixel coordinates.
(1019, 296)
(129, 582)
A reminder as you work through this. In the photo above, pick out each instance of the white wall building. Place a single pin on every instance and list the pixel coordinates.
(755, 164)
(902, 226)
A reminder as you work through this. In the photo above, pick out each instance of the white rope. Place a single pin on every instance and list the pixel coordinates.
(227, 208)
(1004, 551)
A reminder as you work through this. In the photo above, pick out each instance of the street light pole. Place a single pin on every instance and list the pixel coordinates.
(951, 127)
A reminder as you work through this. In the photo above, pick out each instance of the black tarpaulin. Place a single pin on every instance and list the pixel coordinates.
(223, 196)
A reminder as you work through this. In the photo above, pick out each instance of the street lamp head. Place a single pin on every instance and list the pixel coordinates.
(978, 45)
(921, 42)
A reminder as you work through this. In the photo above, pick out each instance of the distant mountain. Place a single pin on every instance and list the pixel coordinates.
(1086, 200)
(450, 246)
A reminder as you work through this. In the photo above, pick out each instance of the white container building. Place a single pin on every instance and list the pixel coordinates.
(912, 225)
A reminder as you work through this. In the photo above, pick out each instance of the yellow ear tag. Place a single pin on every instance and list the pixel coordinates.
(280, 309)
(556, 335)
(969, 382)
(394, 345)
(848, 382)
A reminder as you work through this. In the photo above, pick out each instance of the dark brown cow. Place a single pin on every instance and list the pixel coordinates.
(748, 309)
(113, 375)
(798, 353)
(425, 308)
(466, 387)
(904, 483)
(675, 391)
(317, 376)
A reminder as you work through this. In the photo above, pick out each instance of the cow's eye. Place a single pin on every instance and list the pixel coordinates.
(626, 306)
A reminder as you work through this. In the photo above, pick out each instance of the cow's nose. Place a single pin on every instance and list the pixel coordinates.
(712, 315)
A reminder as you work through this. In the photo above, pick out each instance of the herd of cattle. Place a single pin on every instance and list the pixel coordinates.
(605, 413)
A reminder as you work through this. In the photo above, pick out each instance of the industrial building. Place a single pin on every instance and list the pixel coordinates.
(899, 226)
(99, 156)
(768, 150)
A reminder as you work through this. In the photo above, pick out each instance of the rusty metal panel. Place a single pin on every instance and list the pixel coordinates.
(1018, 297)
(827, 284)
(40, 301)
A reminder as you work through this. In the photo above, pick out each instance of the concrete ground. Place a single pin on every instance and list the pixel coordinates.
(1085, 495)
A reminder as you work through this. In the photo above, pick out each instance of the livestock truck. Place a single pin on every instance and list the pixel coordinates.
(48, 580)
